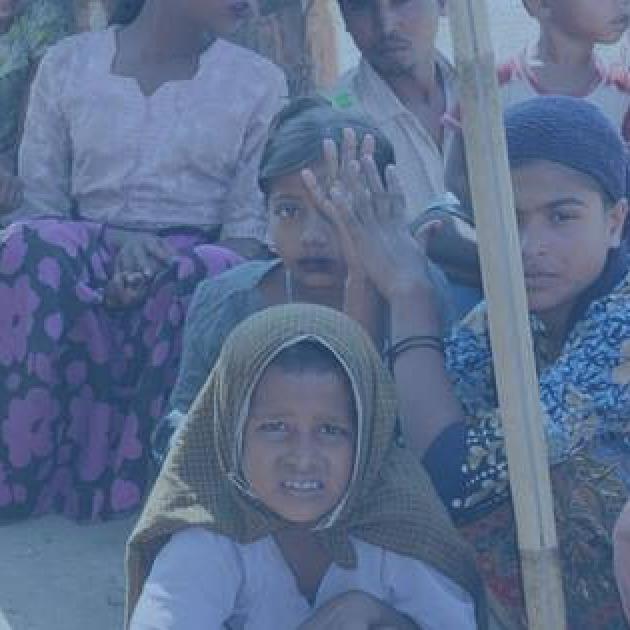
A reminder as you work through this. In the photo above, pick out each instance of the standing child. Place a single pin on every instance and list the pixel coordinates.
(286, 503)
(563, 61)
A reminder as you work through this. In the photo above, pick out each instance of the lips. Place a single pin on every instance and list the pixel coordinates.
(317, 264)
(303, 487)
(535, 280)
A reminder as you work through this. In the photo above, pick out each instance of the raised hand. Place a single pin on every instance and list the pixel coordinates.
(370, 217)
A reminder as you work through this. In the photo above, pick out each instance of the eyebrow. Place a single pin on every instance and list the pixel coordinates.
(565, 201)
(284, 197)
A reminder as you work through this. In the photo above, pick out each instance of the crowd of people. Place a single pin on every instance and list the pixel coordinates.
(259, 318)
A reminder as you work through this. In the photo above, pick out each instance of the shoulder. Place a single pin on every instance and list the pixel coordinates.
(219, 300)
(195, 544)
(72, 48)
(244, 277)
(344, 94)
(250, 65)
(509, 71)
(618, 77)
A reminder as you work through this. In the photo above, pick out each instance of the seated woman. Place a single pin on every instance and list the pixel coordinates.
(568, 168)
(286, 503)
(311, 266)
(622, 558)
(141, 146)
(27, 29)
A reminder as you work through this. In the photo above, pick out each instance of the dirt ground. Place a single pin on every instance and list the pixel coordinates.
(56, 575)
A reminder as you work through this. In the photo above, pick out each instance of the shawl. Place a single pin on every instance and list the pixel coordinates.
(389, 502)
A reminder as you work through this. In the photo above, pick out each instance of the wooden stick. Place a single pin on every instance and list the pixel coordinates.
(502, 272)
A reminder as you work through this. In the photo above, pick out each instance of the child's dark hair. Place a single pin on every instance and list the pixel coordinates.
(310, 356)
(307, 356)
(297, 132)
(126, 11)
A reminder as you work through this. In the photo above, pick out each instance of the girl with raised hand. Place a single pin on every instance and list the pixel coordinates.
(311, 266)
(286, 502)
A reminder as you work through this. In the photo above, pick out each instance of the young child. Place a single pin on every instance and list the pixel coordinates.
(622, 558)
(310, 265)
(285, 502)
(563, 60)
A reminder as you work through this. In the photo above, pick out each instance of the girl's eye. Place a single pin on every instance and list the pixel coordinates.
(334, 430)
(286, 211)
(559, 217)
(273, 426)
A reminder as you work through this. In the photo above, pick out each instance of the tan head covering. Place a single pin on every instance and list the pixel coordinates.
(390, 501)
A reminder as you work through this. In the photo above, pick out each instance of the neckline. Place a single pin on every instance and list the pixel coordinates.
(113, 49)
(523, 65)
(292, 577)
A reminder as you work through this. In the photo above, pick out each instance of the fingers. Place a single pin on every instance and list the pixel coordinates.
(159, 251)
(331, 162)
(348, 151)
(394, 187)
(125, 289)
(143, 254)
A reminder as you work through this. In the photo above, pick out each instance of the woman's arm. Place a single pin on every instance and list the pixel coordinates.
(244, 214)
(45, 156)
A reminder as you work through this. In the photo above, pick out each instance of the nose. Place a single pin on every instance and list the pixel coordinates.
(314, 230)
(533, 241)
(302, 456)
(385, 17)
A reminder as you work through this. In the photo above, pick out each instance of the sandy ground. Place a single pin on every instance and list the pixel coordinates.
(56, 575)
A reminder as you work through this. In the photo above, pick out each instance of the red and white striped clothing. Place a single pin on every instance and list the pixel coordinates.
(610, 91)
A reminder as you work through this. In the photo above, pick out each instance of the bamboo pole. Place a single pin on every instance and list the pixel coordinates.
(502, 273)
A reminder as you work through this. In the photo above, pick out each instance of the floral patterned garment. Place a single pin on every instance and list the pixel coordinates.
(41, 24)
(585, 395)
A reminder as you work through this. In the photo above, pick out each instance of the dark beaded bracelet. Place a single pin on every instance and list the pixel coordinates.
(411, 342)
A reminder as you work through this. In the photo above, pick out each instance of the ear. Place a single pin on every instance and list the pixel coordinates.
(617, 221)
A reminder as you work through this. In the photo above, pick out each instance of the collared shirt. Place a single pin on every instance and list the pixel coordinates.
(186, 155)
(610, 90)
(202, 581)
(419, 159)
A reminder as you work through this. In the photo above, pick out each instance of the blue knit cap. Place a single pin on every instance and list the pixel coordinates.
(569, 131)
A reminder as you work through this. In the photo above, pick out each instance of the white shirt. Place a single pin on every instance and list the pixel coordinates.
(419, 159)
(204, 581)
(188, 154)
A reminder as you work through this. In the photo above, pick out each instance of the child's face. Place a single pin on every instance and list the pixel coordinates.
(303, 237)
(595, 21)
(565, 235)
(300, 442)
(393, 35)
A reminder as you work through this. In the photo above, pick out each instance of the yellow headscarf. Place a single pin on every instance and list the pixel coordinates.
(390, 501)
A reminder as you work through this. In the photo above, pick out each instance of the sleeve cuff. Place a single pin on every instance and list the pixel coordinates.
(444, 460)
